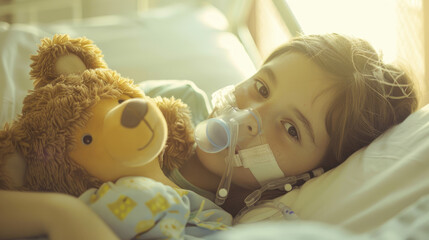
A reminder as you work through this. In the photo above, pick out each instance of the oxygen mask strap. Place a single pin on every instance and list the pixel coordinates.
(225, 182)
(285, 184)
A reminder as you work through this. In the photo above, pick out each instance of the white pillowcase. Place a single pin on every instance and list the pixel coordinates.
(17, 43)
(180, 41)
(371, 186)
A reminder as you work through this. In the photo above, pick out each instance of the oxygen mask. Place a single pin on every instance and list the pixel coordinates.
(240, 132)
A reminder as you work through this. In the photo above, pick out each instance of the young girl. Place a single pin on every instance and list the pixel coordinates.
(320, 98)
(314, 102)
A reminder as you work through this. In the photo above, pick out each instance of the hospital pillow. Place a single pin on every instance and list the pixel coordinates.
(180, 41)
(371, 186)
(16, 46)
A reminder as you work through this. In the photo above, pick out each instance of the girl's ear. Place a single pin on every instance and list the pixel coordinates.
(63, 55)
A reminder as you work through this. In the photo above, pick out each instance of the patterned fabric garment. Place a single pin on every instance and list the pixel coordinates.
(141, 208)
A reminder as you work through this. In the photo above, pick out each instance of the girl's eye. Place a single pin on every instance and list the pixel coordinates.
(262, 89)
(121, 101)
(291, 130)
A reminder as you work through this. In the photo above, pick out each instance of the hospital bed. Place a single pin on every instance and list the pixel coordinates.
(379, 192)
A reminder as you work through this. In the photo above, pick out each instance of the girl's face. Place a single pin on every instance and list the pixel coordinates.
(291, 97)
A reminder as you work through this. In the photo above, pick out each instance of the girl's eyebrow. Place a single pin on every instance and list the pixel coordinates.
(267, 70)
(307, 125)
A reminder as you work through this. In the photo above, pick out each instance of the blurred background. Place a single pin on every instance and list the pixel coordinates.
(397, 28)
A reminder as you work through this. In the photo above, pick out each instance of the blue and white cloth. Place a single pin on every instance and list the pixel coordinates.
(141, 208)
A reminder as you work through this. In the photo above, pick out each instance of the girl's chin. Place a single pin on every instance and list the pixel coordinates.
(214, 162)
(243, 178)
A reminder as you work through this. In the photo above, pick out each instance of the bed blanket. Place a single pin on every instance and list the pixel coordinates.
(411, 223)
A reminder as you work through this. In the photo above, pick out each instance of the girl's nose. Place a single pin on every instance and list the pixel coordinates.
(134, 112)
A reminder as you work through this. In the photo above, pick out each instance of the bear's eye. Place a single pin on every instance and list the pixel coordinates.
(121, 101)
(87, 139)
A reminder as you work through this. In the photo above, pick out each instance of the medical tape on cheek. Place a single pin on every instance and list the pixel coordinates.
(260, 161)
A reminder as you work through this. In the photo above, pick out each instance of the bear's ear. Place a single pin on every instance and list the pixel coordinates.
(64, 55)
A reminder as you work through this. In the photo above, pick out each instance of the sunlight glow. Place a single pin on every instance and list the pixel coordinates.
(235, 51)
(213, 19)
(373, 20)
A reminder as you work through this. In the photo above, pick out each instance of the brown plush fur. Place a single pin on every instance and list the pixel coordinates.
(180, 141)
(60, 104)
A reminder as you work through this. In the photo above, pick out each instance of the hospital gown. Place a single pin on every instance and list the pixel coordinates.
(141, 208)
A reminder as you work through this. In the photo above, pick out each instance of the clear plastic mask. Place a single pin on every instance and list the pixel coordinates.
(230, 127)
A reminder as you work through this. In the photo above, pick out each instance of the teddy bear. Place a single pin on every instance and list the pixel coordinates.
(84, 124)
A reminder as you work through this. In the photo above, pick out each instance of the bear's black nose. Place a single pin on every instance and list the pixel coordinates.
(134, 112)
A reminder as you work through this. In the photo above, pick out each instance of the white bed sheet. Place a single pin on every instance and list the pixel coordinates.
(411, 223)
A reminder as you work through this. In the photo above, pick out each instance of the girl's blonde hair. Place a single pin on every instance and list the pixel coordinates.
(370, 96)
